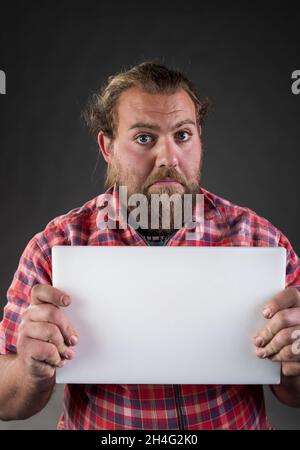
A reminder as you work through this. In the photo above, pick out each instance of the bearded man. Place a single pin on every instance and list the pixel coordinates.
(147, 122)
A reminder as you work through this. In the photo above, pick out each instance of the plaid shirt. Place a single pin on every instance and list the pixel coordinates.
(148, 407)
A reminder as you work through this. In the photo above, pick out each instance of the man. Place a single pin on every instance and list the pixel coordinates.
(148, 125)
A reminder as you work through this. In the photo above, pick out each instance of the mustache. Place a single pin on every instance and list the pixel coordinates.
(161, 174)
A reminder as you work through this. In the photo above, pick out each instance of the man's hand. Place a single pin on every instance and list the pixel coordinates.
(277, 340)
(45, 336)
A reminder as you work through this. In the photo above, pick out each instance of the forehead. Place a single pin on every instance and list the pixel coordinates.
(137, 105)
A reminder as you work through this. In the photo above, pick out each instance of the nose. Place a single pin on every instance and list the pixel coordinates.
(167, 155)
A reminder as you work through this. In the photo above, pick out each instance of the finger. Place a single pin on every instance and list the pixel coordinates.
(45, 293)
(283, 338)
(48, 332)
(42, 370)
(51, 314)
(286, 354)
(288, 298)
(43, 352)
(291, 369)
(283, 319)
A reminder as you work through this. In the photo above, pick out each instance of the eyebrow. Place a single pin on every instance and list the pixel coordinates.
(153, 126)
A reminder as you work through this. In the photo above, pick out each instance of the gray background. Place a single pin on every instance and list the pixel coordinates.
(55, 54)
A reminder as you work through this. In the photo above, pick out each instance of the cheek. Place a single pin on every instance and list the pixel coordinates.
(135, 162)
(127, 154)
(191, 161)
(139, 155)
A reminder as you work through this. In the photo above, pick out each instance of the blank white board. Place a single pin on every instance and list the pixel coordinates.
(160, 315)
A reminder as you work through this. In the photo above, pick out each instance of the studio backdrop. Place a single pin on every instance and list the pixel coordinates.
(53, 55)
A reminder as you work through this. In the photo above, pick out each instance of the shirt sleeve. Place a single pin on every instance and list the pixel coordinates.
(34, 268)
(292, 263)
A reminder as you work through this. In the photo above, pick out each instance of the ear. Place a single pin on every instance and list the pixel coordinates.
(105, 146)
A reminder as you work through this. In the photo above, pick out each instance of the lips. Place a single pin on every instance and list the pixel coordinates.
(166, 180)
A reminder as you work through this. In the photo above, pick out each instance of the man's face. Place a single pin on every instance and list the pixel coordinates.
(157, 150)
(154, 151)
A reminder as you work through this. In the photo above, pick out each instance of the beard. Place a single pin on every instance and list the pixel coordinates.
(119, 176)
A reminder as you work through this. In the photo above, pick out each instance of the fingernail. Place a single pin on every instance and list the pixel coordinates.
(267, 313)
(62, 363)
(65, 299)
(261, 353)
(259, 341)
(73, 340)
(69, 354)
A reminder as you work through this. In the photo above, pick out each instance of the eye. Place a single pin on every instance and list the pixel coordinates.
(183, 135)
(143, 139)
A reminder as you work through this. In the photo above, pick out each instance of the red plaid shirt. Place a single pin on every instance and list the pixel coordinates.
(147, 407)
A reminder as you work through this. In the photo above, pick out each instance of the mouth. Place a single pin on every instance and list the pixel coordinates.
(166, 181)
